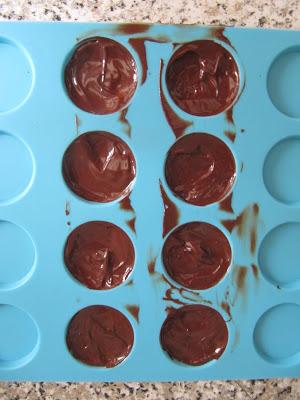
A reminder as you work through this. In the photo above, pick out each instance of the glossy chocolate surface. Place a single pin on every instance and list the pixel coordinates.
(99, 254)
(99, 166)
(100, 336)
(101, 76)
(197, 255)
(200, 169)
(202, 78)
(194, 334)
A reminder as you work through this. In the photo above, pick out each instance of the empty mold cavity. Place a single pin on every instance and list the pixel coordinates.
(16, 166)
(100, 336)
(284, 83)
(19, 337)
(276, 335)
(16, 75)
(202, 78)
(99, 166)
(101, 76)
(281, 171)
(279, 259)
(17, 255)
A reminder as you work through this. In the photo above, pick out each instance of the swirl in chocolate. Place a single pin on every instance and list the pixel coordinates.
(202, 78)
(99, 254)
(194, 334)
(200, 169)
(197, 255)
(100, 336)
(101, 76)
(99, 166)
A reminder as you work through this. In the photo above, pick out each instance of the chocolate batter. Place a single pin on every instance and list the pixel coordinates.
(197, 255)
(100, 336)
(202, 78)
(99, 166)
(101, 76)
(200, 169)
(99, 254)
(194, 334)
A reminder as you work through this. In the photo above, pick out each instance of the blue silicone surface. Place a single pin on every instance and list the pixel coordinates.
(37, 122)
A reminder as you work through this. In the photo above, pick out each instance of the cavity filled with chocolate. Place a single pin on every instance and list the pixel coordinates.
(100, 336)
(99, 254)
(202, 78)
(200, 169)
(99, 166)
(197, 255)
(101, 76)
(194, 334)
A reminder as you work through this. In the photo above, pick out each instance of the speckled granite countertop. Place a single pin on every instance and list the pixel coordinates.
(272, 13)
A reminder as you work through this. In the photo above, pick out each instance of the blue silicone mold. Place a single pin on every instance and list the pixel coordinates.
(37, 122)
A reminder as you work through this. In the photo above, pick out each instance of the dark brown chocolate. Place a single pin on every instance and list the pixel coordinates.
(99, 166)
(100, 336)
(99, 254)
(171, 213)
(194, 334)
(200, 169)
(101, 76)
(203, 78)
(197, 255)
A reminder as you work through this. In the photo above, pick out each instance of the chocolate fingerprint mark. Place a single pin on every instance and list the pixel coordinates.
(131, 28)
(231, 135)
(226, 307)
(125, 204)
(124, 121)
(218, 33)
(139, 46)
(226, 204)
(255, 271)
(151, 263)
(77, 124)
(171, 213)
(67, 208)
(134, 311)
(240, 276)
(177, 124)
(246, 225)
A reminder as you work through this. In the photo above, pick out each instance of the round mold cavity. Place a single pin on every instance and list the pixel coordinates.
(278, 256)
(16, 166)
(284, 84)
(118, 71)
(205, 55)
(276, 335)
(17, 256)
(281, 171)
(100, 336)
(19, 337)
(16, 77)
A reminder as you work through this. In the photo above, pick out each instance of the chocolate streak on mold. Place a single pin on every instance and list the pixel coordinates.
(255, 271)
(177, 124)
(246, 225)
(151, 263)
(171, 213)
(138, 45)
(67, 208)
(125, 204)
(124, 121)
(240, 275)
(218, 33)
(134, 311)
(77, 124)
(132, 28)
(231, 135)
(226, 204)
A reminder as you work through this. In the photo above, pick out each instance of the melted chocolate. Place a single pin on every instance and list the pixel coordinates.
(194, 334)
(231, 135)
(197, 255)
(125, 204)
(226, 204)
(255, 271)
(99, 254)
(100, 336)
(132, 28)
(218, 33)
(101, 76)
(124, 121)
(200, 169)
(99, 166)
(203, 78)
(151, 263)
(134, 311)
(177, 124)
(171, 213)
(240, 276)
